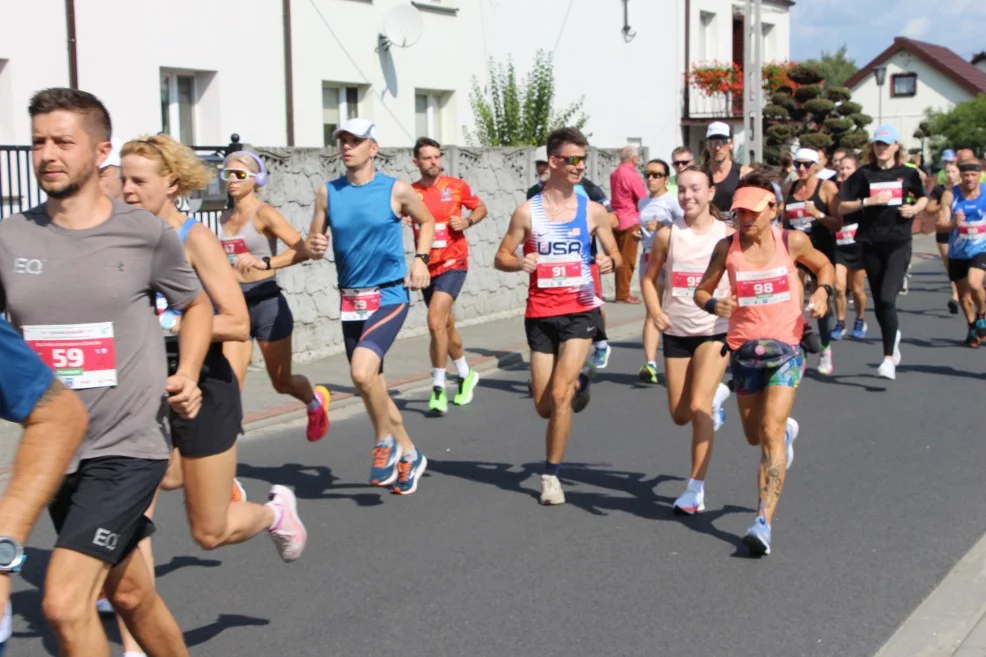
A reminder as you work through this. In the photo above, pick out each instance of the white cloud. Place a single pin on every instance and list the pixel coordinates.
(916, 27)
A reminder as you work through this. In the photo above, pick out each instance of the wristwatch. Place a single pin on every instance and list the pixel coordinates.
(425, 257)
(828, 290)
(12, 555)
(266, 260)
(469, 221)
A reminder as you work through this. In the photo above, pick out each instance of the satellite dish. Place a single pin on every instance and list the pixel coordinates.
(402, 27)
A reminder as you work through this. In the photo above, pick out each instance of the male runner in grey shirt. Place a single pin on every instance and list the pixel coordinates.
(78, 276)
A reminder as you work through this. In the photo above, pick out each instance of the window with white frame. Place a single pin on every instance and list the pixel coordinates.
(340, 102)
(178, 101)
(428, 113)
(706, 36)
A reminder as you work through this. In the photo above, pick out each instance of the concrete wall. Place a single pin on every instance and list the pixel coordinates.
(499, 176)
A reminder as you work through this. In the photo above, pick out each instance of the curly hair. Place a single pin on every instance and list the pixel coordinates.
(173, 159)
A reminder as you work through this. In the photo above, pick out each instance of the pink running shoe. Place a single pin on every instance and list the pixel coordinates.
(289, 535)
(318, 420)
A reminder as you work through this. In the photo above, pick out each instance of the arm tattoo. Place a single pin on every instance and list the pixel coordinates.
(54, 390)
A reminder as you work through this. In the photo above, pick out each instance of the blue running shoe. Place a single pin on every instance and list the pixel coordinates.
(859, 329)
(386, 456)
(757, 538)
(839, 331)
(581, 398)
(600, 357)
(981, 327)
(408, 474)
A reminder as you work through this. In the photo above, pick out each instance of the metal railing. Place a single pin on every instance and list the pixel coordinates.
(20, 190)
(700, 105)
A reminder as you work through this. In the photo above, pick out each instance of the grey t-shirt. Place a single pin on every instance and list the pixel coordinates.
(84, 300)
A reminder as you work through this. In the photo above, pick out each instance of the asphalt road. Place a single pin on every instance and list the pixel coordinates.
(882, 499)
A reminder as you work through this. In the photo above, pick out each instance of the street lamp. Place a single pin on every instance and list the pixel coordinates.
(880, 73)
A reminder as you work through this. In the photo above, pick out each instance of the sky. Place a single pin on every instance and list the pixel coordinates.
(818, 25)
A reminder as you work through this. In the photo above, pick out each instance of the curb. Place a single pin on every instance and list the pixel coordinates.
(511, 355)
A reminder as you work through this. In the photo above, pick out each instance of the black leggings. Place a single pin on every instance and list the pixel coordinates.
(886, 265)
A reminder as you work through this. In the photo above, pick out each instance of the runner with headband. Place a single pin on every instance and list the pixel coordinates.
(766, 325)
(966, 226)
(249, 235)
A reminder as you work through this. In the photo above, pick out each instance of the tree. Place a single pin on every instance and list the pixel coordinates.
(509, 113)
(964, 126)
(835, 68)
(803, 110)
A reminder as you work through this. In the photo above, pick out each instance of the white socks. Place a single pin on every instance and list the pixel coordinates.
(438, 377)
(461, 367)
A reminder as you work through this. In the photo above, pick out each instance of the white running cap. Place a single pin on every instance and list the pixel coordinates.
(718, 129)
(358, 128)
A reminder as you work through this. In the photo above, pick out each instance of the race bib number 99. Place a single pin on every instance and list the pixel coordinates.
(81, 355)
(684, 282)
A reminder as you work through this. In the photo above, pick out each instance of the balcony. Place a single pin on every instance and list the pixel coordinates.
(700, 107)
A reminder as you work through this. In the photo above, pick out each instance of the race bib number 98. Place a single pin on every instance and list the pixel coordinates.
(763, 288)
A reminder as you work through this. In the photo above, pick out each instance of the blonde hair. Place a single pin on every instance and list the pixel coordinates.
(245, 160)
(869, 156)
(172, 159)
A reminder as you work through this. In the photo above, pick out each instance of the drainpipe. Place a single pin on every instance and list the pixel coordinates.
(73, 60)
(288, 71)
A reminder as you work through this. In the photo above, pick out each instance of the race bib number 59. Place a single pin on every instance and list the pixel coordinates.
(81, 355)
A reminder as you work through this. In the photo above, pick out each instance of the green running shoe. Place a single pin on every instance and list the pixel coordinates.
(466, 388)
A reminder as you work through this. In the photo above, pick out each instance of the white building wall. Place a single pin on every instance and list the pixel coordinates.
(336, 40)
(239, 64)
(33, 56)
(934, 90)
(632, 88)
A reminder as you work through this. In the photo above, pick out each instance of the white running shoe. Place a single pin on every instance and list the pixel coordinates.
(289, 535)
(897, 350)
(825, 365)
(690, 502)
(887, 369)
(790, 435)
(718, 414)
(551, 492)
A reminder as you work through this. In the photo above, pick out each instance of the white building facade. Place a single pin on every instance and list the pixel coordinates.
(286, 72)
(917, 76)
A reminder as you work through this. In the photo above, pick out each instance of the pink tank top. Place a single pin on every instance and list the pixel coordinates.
(689, 253)
(770, 298)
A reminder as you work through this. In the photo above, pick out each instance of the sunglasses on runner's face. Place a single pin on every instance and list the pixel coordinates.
(681, 163)
(717, 143)
(573, 160)
(656, 174)
(803, 165)
(236, 174)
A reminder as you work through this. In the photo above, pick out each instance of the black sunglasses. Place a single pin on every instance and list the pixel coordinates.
(681, 163)
(654, 174)
(572, 160)
(803, 165)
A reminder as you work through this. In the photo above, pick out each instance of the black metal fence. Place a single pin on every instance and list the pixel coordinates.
(19, 188)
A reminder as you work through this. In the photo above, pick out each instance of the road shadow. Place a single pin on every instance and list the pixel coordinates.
(638, 498)
(310, 482)
(518, 388)
(934, 342)
(623, 378)
(222, 623)
(177, 563)
(844, 380)
(943, 370)
(27, 604)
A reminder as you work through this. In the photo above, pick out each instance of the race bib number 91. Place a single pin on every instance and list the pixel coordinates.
(559, 271)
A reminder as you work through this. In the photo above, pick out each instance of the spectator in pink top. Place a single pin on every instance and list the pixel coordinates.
(626, 189)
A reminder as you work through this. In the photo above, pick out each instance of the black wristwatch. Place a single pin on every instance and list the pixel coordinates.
(425, 257)
(266, 260)
(469, 221)
(828, 290)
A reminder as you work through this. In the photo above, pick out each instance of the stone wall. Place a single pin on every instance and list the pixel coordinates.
(500, 177)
